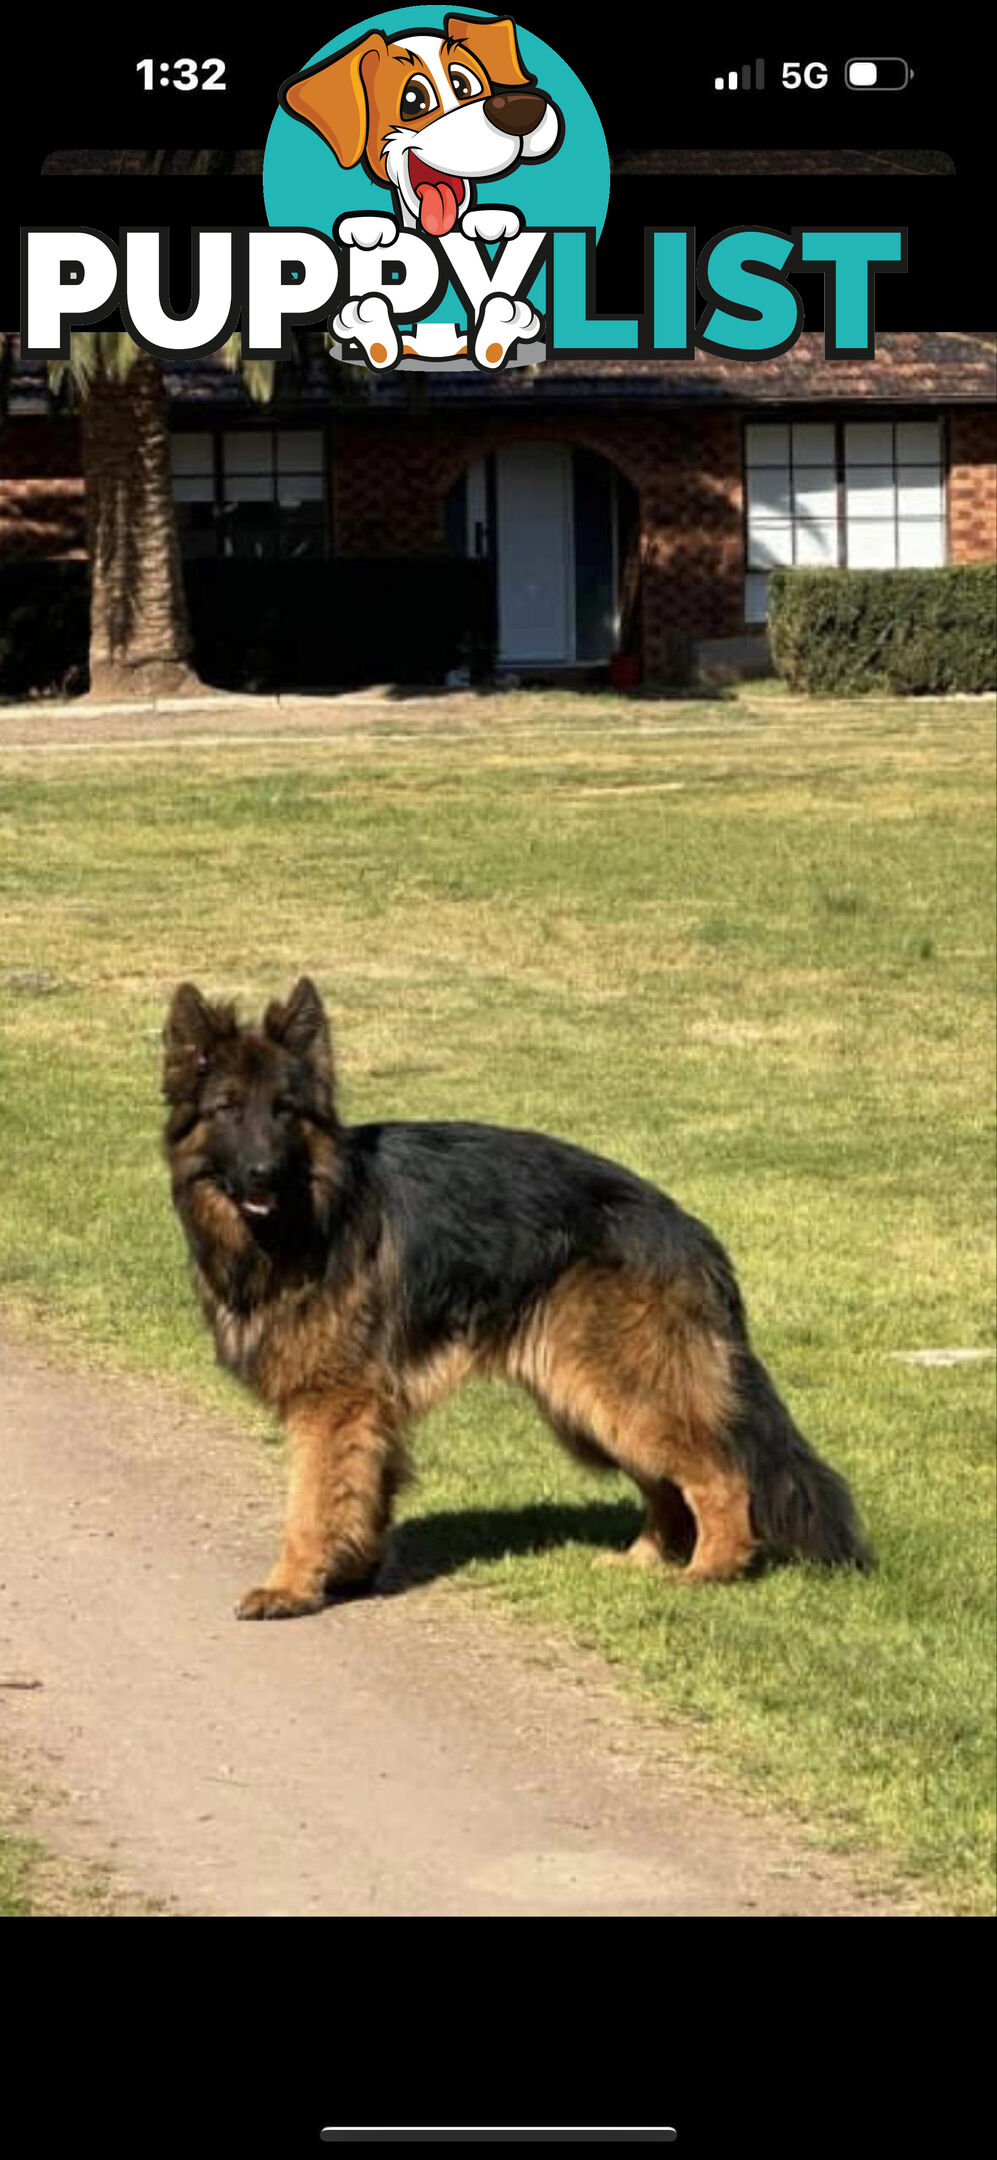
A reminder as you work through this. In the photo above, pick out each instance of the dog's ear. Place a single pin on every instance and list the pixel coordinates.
(332, 99)
(495, 46)
(301, 1027)
(193, 1034)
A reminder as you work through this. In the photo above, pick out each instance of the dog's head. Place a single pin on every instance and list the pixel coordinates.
(429, 115)
(250, 1110)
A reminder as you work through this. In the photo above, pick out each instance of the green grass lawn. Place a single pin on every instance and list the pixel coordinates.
(743, 946)
(17, 1859)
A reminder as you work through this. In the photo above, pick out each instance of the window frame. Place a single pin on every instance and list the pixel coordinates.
(221, 503)
(893, 417)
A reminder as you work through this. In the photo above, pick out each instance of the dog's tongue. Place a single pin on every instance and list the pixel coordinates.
(437, 206)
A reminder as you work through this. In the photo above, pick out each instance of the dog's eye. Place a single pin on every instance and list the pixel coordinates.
(285, 1106)
(418, 97)
(463, 83)
(226, 1106)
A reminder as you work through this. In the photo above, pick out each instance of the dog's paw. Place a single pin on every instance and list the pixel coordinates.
(369, 229)
(501, 324)
(645, 1552)
(368, 320)
(490, 223)
(264, 1604)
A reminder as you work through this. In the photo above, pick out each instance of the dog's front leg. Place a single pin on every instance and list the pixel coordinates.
(345, 1467)
(367, 229)
(500, 325)
(369, 322)
(491, 222)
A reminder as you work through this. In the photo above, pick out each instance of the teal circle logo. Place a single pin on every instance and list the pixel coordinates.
(439, 90)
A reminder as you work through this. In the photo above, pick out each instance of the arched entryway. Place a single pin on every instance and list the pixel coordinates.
(558, 524)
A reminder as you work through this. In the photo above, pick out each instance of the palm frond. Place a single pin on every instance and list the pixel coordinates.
(257, 375)
(6, 371)
(93, 352)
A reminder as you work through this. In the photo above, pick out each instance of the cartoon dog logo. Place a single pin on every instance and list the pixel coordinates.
(429, 117)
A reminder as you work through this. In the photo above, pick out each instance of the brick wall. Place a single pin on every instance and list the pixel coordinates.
(41, 489)
(692, 545)
(972, 486)
(393, 472)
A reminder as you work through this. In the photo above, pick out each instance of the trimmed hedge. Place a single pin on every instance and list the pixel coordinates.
(848, 631)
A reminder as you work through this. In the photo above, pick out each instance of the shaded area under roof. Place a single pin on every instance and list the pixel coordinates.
(910, 367)
(789, 164)
(181, 162)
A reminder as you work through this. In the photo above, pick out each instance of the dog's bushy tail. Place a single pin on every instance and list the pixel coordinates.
(799, 1505)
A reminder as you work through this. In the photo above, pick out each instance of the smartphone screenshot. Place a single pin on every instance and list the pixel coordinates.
(498, 561)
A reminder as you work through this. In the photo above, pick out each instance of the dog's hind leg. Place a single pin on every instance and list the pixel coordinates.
(700, 1529)
(699, 1505)
(347, 1463)
(639, 1367)
(720, 1503)
(668, 1533)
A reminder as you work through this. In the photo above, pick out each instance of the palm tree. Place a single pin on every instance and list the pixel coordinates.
(140, 641)
(6, 371)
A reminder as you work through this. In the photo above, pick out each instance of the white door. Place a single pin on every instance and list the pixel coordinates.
(536, 553)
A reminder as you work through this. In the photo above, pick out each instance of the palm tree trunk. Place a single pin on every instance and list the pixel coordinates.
(140, 642)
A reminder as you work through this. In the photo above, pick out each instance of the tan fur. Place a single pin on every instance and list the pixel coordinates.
(354, 101)
(491, 44)
(314, 1254)
(639, 1371)
(625, 1373)
(425, 1385)
(333, 99)
(347, 1463)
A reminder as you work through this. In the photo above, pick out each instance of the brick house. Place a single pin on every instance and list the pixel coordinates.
(608, 505)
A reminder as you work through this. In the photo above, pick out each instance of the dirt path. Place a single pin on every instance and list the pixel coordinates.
(214, 719)
(405, 1754)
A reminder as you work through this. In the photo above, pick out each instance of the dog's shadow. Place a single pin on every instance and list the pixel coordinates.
(425, 1547)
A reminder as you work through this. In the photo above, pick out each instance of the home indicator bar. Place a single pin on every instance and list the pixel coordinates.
(424, 2134)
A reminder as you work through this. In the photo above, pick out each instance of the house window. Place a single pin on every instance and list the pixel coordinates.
(862, 494)
(257, 493)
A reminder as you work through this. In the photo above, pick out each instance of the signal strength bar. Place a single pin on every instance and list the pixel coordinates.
(741, 78)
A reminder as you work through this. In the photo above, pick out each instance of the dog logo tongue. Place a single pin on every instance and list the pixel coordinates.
(437, 207)
(439, 197)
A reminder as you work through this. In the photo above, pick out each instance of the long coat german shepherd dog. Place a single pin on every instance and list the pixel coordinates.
(352, 1275)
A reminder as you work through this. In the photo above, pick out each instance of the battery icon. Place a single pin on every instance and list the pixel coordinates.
(877, 74)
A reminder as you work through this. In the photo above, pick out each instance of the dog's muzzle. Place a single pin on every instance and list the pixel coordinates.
(516, 112)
